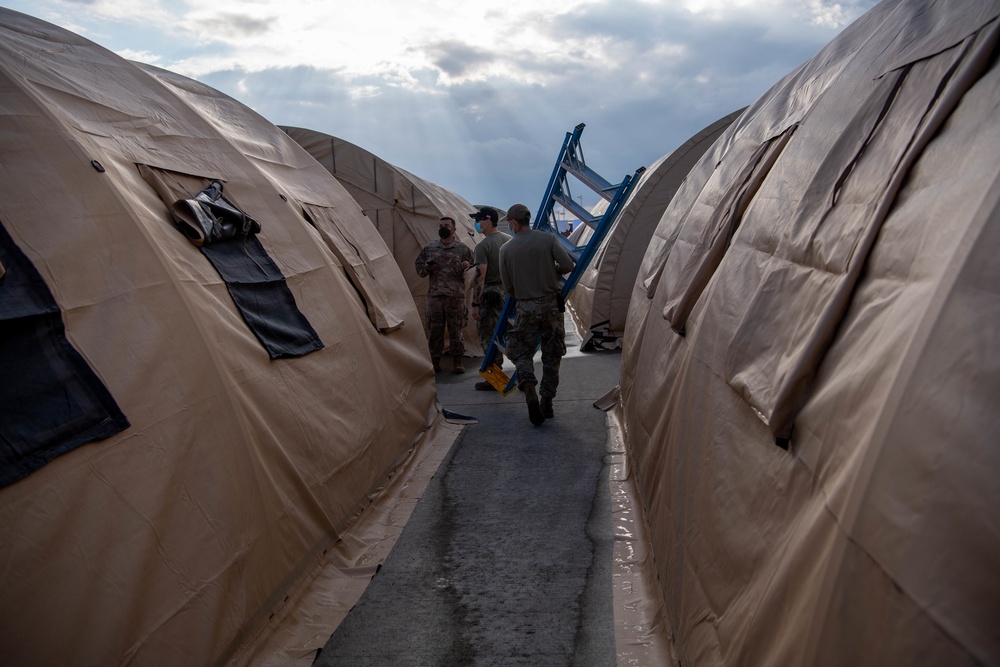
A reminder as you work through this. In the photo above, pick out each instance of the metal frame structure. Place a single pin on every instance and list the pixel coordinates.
(570, 162)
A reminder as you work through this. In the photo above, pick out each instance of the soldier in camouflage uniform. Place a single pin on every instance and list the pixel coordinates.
(530, 265)
(488, 294)
(444, 262)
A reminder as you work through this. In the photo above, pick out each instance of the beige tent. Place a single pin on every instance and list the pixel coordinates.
(811, 375)
(184, 428)
(599, 302)
(404, 208)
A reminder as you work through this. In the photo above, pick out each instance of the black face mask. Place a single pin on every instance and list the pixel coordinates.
(444, 232)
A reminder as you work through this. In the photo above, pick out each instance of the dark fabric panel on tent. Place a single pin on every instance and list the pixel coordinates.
(50, 400)
(259, 291)
(227, 237)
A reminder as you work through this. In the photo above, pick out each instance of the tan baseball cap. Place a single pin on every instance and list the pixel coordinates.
(518, 212)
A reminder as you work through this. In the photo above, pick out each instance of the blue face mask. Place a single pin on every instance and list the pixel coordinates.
(479, 227)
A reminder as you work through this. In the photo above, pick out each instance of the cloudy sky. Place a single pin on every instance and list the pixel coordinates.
(475, 96)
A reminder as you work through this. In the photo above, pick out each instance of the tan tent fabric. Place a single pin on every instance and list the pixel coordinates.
(599, 302)
(810, 376)
(404, 208)
(171, 542)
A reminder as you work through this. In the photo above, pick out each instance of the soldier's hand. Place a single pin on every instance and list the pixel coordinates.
(475, 314)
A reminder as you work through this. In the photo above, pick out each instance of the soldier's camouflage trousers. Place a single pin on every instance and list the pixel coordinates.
(450, 312)
(490, 306)
(534, 318)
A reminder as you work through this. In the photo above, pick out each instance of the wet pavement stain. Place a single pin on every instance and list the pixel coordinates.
(506, 559)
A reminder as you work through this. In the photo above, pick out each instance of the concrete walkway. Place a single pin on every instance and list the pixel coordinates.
(507, 557)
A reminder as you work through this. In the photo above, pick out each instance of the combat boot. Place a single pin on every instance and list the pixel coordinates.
(547, 407)
(534, 410)
(459, 366)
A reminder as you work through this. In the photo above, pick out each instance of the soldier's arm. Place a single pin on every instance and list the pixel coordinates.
(563, 259)
(505, 277)
(420, 264)
(477, 288)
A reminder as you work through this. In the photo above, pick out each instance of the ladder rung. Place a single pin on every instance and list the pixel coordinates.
(589, 177)
(571, 205)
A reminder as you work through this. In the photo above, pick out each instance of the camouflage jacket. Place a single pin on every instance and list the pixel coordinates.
(442, 263)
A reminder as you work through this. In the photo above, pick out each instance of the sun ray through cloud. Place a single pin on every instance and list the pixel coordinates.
(478, 96)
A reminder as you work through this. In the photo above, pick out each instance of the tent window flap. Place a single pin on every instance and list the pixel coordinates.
(227, 237)
(51, 401)
(362, 260)
(259, 291)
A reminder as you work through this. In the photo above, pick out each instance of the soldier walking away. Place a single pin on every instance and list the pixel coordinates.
(488, 295)
(530, 266)
(445, 261)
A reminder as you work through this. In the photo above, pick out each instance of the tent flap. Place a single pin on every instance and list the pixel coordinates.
(227, 238)
(358, 260)
(50, 399)
(210, 217)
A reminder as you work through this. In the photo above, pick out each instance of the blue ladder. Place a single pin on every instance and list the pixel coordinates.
(569, 162)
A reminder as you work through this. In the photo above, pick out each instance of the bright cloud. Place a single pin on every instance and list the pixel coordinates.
(449, 89)
(139, 56)
(462, 41)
